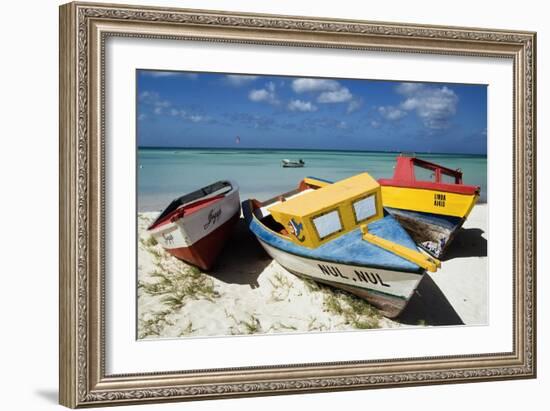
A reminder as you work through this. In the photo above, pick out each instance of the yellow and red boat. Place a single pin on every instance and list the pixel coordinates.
(431, 208)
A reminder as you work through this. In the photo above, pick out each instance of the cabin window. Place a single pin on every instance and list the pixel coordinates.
(423, 174)
(364, 208)
(448, 179)
(327, 224)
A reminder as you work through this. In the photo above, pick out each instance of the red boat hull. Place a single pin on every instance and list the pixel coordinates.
(204, 252)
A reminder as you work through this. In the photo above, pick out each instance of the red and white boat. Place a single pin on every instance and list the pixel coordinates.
(195, 227)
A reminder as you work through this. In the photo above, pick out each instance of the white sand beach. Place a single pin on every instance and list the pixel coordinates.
(249, 293)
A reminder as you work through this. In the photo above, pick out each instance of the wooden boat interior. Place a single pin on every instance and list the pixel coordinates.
(263, 214)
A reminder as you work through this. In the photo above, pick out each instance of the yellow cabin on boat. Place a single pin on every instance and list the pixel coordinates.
(318, 216)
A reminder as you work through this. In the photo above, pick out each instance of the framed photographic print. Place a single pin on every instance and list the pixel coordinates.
(259, 204)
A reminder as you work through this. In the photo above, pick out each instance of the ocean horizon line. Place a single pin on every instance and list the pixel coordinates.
(309, 149)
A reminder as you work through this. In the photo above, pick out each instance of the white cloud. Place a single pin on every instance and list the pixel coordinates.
(330, 91)
(153, 99)
(435, 106)
(195, 118)
(299, 105)
(375, 124)
(160, 105)
(302, 85)
(238, 80)
(164, 107)
(266, 95)
(157, 74)
(338, 96)
(258, 95)
(409, 88)
(354, 105)
(391, 113)
(148, 96)
(161, 73)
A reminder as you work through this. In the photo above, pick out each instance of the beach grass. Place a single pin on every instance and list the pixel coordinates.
(179, 300)
(187, 330)
(177, 286)
(250, 325)
(354, 311)
(172, 284)
(281, 326)
(281, 287)
(150, 241)
(152, 324)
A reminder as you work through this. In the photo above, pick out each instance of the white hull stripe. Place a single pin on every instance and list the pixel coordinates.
(359, 289)
(393, 283)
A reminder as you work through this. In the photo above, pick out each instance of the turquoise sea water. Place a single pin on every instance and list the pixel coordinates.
(166, 173)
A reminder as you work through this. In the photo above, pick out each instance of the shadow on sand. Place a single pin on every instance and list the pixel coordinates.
(242, 260)
(429, 306)
(468, 242)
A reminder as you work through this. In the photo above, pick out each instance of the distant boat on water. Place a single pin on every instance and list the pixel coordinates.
(293, 163)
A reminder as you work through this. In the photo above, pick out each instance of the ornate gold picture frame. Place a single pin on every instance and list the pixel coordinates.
(84, 30)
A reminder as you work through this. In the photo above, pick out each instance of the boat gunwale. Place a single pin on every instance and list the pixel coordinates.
(163, 217)
(463, 189)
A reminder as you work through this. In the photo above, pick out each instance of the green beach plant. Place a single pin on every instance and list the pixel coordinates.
(251, 325)
(152, 324)
(173, 283)
(150, 241)
(315, 325)
(355, 311)
(281, 287)
(187, 330)
(281, 326)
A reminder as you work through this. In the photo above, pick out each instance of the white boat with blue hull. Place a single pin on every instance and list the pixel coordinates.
(341, 237)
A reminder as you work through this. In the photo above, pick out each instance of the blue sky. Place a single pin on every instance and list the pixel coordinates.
(184, 109)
